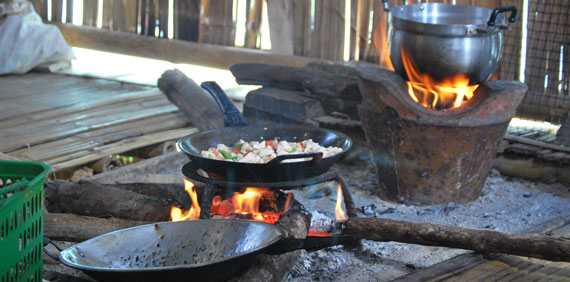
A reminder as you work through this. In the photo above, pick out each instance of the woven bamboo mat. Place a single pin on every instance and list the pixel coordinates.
(67, 121)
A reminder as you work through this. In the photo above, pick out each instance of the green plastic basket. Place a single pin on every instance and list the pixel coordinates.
(21, 220)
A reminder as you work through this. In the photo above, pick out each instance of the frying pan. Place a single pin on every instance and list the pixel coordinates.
(272, 171)
(195, 250)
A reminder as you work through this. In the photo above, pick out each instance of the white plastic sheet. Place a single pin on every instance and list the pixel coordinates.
(26, 42)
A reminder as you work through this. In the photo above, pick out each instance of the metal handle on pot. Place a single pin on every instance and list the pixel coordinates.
(317, 157)
(231, 114)
(496, 12)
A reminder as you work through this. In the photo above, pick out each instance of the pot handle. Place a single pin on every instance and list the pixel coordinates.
(496, 12)
(317, 157)
(231, 114)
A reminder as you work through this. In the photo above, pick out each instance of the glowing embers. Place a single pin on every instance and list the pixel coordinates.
(447, 94)
(250, 203)
(257, 204)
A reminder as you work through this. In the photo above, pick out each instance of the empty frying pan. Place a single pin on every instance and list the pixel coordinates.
(196, 250)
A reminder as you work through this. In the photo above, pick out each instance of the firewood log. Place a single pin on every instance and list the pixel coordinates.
(103, 200)
(294, 223)
(196, 104)
(76, 228)
(339, 82)
(379, 229)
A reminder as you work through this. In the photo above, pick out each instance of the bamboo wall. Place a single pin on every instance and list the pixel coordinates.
(316, 28)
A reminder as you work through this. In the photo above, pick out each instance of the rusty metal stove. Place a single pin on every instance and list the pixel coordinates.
(425, 156)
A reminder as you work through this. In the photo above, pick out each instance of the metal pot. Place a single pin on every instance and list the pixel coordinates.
(444, 40)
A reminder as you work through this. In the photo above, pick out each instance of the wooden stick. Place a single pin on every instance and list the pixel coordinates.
(7, 157)
(528, 141)
(532, 168)
(176, 51)
(281, 25)
(379, 229)
(76, 228)
(351, 211)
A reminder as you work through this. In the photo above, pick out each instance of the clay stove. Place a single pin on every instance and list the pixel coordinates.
(428, 156)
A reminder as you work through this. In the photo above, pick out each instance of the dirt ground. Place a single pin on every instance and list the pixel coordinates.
(505, 205)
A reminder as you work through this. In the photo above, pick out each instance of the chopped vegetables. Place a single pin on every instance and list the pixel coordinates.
(237, 148)
(225, 154)
(264, 151)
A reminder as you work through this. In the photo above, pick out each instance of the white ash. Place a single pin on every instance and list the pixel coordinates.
(505, 205)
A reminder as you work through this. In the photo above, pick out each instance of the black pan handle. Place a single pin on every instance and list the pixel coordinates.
(47, 241)
(231, 114)
(496, 12)
(317, 157)
(310, 243)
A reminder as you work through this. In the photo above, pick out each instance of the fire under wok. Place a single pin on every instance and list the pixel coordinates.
(272, 171)
(197, 250)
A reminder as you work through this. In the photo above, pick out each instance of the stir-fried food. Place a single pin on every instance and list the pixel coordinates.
(264, 151)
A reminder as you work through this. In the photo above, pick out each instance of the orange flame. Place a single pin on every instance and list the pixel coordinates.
(449, 93)
(381, 42)
(177, 214)
(247, 205)
(338, 211)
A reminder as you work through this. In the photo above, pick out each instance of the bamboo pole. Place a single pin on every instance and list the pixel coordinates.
(175, 51)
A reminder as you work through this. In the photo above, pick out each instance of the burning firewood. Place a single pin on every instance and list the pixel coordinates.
(294, 223)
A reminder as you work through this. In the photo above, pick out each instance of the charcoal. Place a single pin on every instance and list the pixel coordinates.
(389, 210)
(369, 210)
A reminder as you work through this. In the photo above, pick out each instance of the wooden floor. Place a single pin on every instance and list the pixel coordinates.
(495, 267)
(67, 121)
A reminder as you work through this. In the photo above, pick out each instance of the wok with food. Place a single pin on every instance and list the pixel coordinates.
(264, 151)
(287, 166)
